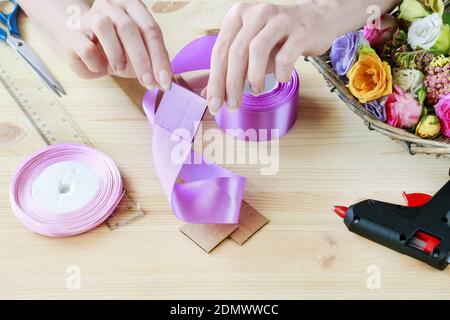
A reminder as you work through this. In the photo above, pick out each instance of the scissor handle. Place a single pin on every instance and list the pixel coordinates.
(3, 35)
(11, 20)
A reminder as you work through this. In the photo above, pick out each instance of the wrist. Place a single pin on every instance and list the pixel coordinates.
(313, 21)
(332, 11)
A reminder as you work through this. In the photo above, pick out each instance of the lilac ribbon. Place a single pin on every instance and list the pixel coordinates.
(208, 193)
(95, 212)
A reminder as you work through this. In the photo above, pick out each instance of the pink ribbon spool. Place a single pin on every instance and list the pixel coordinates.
(89, 216)
(209, 193)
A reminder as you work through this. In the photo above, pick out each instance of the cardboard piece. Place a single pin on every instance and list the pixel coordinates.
(210, 236)
(250, 222)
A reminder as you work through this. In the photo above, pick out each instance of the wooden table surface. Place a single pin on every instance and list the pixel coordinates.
(304, 252)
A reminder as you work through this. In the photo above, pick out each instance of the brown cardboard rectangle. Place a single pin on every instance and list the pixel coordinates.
(249, 223)
(208, 236)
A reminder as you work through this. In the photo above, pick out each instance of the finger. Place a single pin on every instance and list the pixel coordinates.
(80, 68)
(203, 92)
(104, 30)
(219, 58)
(260, 51)
(154, 42)
(285, 60)
(134, 46)
(88, 52)
(238, 64)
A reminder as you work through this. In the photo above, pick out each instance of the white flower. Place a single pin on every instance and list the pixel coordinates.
(424, 33)
(409, 80)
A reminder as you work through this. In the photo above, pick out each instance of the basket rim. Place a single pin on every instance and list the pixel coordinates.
(413, 143)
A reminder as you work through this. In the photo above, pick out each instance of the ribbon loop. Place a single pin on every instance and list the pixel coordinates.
(208, 193)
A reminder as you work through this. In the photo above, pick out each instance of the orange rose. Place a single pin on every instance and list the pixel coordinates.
(370, 78)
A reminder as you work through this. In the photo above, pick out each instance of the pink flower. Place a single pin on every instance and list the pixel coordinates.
(381, 31)
(443, 112)
(403, 110)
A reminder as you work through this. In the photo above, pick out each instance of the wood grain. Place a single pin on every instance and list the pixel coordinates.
(305, 252)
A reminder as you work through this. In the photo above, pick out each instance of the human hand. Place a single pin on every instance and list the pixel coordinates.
(120, 37)
(259, 38)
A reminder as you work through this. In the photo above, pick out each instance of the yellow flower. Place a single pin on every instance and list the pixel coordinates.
(429, 127)
(370, 78)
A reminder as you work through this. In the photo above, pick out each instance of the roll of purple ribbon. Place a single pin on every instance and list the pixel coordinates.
(208, 193)
(65, 190)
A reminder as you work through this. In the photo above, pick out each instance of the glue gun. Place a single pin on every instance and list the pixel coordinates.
(420, 230)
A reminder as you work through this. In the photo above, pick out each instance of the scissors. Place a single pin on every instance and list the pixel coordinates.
(11, 36)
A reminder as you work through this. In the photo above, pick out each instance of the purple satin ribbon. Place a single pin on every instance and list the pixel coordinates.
(208, 193)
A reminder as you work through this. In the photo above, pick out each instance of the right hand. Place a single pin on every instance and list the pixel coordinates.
(260, 38)
(120, 37)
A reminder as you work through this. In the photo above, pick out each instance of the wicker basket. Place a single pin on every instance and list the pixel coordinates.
(439, 147)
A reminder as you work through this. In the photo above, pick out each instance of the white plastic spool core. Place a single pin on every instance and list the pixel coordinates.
(65, 187)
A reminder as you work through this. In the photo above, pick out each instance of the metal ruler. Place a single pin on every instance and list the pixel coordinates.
(52, 121)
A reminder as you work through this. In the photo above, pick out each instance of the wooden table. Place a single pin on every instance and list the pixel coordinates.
(304, 252)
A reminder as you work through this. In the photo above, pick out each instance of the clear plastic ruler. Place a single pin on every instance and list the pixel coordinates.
(52, 121)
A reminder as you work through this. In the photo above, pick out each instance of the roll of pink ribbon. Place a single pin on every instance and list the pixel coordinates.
(65, 190)
(208, 193)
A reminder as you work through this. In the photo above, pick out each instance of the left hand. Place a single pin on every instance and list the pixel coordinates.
(119, 37)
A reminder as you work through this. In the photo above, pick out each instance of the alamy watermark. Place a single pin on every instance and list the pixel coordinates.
(73, 17)
(73, 279)
(374, 280)
(225, 149)
(374, 16)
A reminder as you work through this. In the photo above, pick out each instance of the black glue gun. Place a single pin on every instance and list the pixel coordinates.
(421, 229)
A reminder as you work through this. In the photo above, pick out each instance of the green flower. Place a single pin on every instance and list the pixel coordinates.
(421, 96)
(412, 10)
(366, 49)
(442, 45)
(434, 5)
(409, 80)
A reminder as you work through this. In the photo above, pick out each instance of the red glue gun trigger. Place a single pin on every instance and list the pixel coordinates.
(416, 199)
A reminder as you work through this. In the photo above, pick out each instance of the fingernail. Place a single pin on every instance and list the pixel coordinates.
(165, 79)
(121, 67)
(147, 81)
(214, 105)
(203, 93)
(233, 104)
(255, 91)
